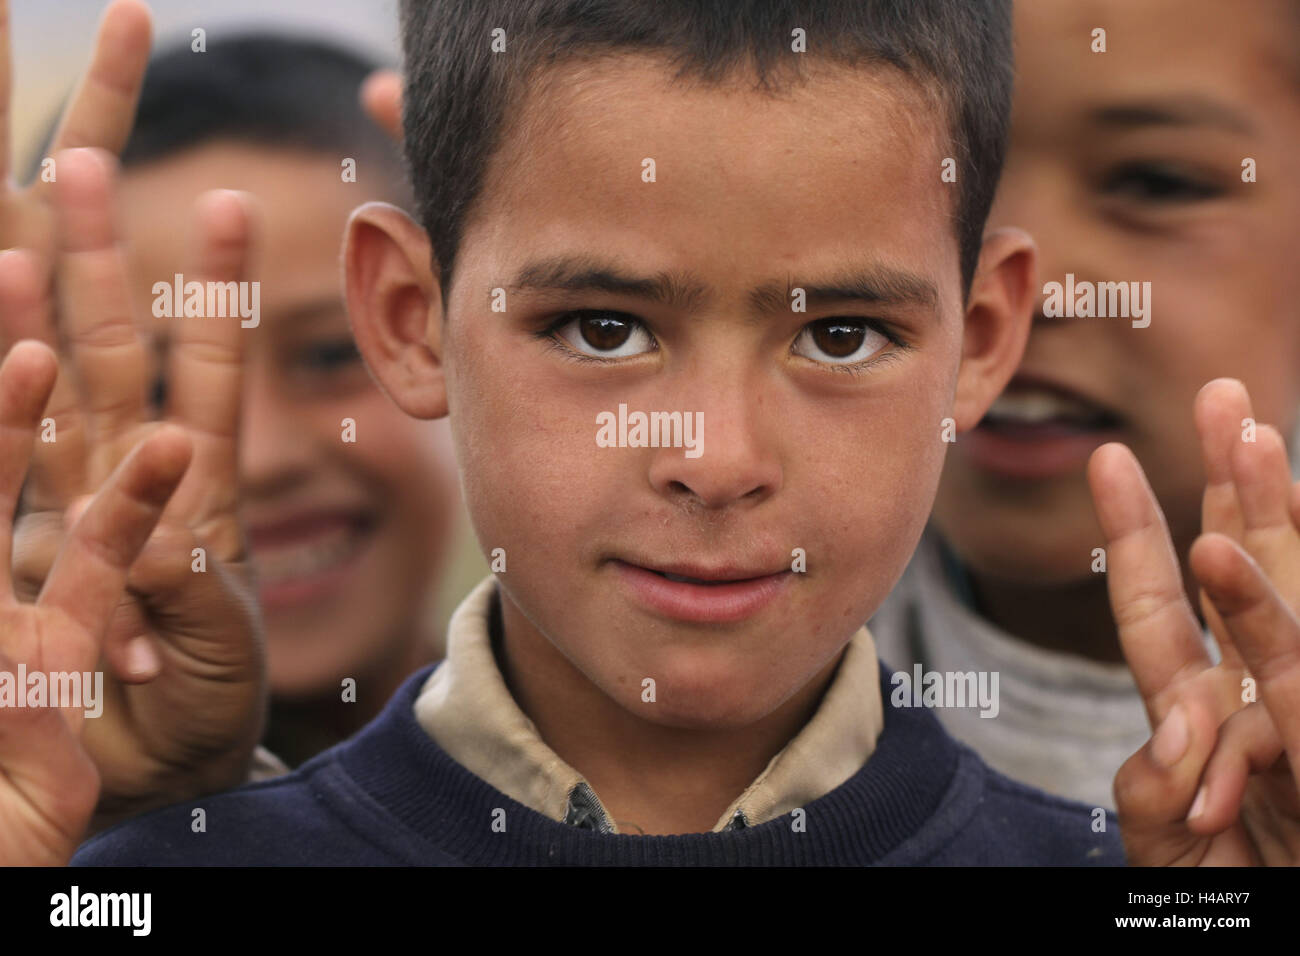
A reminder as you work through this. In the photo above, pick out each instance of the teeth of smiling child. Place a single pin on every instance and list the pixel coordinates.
(1035, 407)
(282, 564)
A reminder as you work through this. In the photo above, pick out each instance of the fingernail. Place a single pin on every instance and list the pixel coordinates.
(141, 660)
(1198, 804)
(1171, 739)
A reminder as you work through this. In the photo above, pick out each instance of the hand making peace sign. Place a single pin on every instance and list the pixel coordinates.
(1219, 782)
(185, 710)
(48, 786)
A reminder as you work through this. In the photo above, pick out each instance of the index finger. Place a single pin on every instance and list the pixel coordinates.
(26, 380)
(108, 353)
(90, 570)
(57, 470)
(1157, 630)
(205, 369)
(102, 109)
(1221, 406)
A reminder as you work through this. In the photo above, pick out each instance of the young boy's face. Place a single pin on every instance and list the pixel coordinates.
(1127, 166)
(820, 438)
(346, 537)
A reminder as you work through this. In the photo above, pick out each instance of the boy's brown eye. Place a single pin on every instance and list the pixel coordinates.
(1156, 182)
(838, 339)
(605, 334)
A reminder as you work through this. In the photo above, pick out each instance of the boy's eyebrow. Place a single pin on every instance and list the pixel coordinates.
(876, 283)
(1188, 110)
(586, 273)
(304, 313)
(327, 306)
(882, 285)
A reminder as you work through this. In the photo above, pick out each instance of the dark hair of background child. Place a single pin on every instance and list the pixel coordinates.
(263, 89)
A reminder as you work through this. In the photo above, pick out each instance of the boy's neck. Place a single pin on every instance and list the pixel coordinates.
(1073, 618)
(651, 779)
(297, 730)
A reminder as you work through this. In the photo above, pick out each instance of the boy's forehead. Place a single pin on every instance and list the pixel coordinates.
(597, 108)
(1193, 48)
(618, 156)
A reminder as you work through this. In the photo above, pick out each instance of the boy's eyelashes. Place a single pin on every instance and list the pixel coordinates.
(326, 356)
(1159, 183)
(848, 343)
(322, 368)
(604, 334)
(839, 341)
(320, 361)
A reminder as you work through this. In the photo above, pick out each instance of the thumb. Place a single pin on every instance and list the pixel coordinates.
(193, 597)
(1156, 787)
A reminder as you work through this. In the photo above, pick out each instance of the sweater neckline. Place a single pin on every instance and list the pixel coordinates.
(394, 769)
(468, 710)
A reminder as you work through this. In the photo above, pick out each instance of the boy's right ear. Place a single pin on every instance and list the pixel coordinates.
(395, 307)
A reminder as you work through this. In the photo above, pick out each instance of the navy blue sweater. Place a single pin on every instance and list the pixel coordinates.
(390, 795)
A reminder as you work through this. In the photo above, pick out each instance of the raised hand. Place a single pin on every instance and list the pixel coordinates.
(1219, 782)
(185, 710)
(381, 97)
(100, 113)
(48, 784)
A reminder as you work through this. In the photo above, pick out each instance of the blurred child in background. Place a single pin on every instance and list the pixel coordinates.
(348, 505)
(347, 532)
(1128, 165)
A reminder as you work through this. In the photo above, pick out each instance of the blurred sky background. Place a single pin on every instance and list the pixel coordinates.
(52, 40)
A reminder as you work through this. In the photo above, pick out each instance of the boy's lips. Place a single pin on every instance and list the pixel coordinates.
(1039, 429)
(717, 595)
(307, 556)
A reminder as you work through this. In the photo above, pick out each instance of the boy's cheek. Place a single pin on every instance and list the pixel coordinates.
(1238, 328)
(407, 459)
(535, 482)
(998, 529)
(405, 467)
(552, 521)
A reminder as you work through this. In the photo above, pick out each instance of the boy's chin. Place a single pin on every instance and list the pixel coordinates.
(701, 714)
(704, 701)
(1038, 569)
(1026, 547)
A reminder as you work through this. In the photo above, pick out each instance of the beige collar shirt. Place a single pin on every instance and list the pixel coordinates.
(467, 709)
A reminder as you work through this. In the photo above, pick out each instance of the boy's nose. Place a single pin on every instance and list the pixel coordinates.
(734, 461)
(274, 447)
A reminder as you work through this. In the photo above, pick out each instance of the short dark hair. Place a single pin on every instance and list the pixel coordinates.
(458, 93)
(263, 89)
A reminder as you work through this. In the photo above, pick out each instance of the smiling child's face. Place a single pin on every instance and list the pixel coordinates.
(1127, 166)
(347, 538)
(821, 429)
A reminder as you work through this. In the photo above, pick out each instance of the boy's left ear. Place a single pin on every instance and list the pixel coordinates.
(395, 307)
(999, 312)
